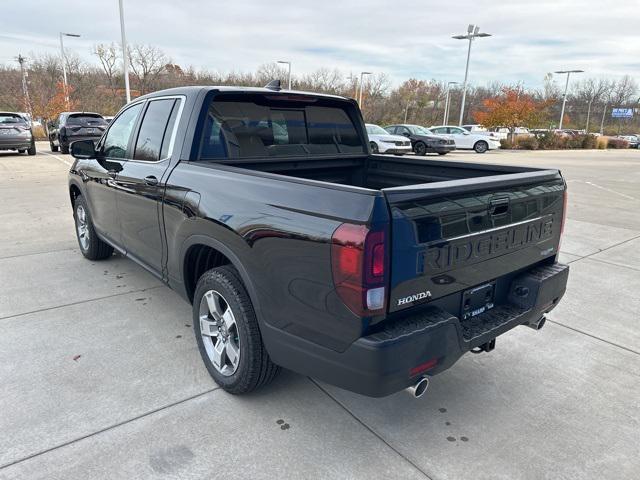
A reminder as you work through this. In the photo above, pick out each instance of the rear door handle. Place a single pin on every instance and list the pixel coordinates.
(151, 181)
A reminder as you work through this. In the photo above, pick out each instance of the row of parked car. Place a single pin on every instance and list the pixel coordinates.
(441, 139)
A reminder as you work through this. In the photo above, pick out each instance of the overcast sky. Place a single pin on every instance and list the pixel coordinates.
(403, 38)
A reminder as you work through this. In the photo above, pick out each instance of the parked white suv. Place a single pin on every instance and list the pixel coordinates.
(466, 140)
(383, 142)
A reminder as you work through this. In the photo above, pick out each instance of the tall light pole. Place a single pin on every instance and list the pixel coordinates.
(473, 32)
(362, 74)
(604, 112)
(25, 88)
(125, 60)
(289, 64)
(445, 121)
(64, 65)
(566, 87)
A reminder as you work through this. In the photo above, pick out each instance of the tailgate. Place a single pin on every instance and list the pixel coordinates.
(454, 235)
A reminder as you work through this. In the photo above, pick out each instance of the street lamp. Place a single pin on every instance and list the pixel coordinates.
(362, 74)
(64, 65)
(473, 31)
(564, 97)
(446, 103)
(125, 61)
(287, 63)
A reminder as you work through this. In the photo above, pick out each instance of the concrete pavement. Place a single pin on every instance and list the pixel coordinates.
(102, 379)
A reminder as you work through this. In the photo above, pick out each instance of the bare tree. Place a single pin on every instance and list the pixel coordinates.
(147, 63)
(108, 56)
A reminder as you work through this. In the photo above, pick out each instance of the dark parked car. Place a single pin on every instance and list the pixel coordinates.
(422, 140)
(73, 126)
(16, 134)
(297, 247)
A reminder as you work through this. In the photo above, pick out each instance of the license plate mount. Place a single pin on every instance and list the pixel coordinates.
(477, 300)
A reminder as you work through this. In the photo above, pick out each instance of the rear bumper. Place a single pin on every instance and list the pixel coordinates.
(385, 362)
(16, 144)
(67, 141)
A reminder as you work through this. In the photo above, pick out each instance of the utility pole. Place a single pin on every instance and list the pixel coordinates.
(64, 65)
(445, 121)
(362, 74)
(566, 87)
(604, 112)
(473, 32)
(289, 75)
(125, 60)
(25, 87)
(586, 128)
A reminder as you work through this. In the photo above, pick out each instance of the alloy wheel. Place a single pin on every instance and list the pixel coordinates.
(219, 332)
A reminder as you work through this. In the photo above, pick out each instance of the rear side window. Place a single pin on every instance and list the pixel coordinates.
(155, 131)
(241, 126)
(86, 121)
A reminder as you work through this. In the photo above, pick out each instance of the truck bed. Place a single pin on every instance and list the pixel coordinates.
(376, 172)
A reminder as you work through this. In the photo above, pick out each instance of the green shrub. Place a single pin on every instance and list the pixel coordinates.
(589, 141)
(617, 143)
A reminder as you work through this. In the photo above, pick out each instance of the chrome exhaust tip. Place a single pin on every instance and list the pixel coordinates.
(538, 324)
(419, 388)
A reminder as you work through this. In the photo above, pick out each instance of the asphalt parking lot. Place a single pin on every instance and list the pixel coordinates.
(101, 377)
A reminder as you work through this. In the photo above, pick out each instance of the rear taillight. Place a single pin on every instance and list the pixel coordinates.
(359, 267)
(564, 216)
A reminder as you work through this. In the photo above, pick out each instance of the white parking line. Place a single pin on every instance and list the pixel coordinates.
(66, 162)
(610, 191)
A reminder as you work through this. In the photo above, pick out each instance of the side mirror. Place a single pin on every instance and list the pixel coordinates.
(405, 134)
(83, 149)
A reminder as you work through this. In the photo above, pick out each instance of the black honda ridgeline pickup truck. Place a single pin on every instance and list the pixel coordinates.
(297, 247)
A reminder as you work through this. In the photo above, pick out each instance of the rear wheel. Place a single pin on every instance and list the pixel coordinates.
(54, 148)
(90, 244)
(374, 147)
(420, 148)
(481, 146)
(32, 149)
(228, 334)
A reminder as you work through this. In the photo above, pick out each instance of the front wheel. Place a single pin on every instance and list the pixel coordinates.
(228, 334)
(420, 148)
(91, 246)
(481, 146)
(374, 147)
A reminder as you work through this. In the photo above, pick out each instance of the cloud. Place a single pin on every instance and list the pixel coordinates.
(402, 39)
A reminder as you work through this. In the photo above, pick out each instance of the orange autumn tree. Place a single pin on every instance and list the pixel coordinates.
(512, 108)
(51, 106)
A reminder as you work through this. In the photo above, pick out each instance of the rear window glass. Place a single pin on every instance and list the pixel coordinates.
(86, 120)
(11, 118)
(241, 126)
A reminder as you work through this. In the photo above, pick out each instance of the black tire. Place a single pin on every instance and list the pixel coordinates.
(254, 369)
(399, 154)
(54, 148)
(374, 147)
(95, 248)
(442, 153)
(420, 148)
(481, 146)
(32, 150)
(64, 148)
